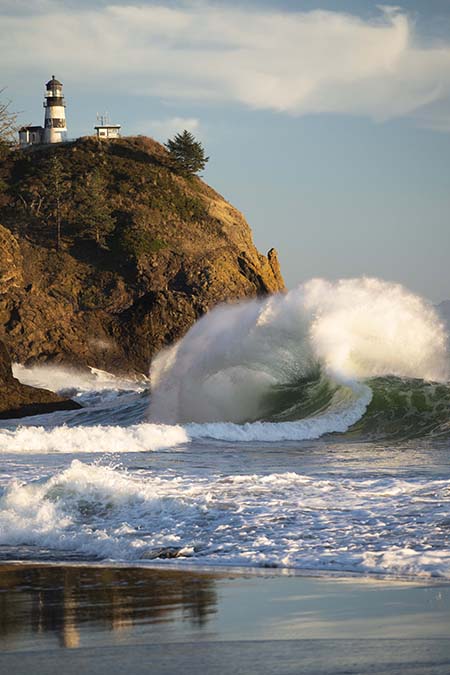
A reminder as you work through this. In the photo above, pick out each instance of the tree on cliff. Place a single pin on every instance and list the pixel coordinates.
(187, 153)
(56, 196)
(46, 197)
(94, 213)
(8, 122)
(8, 128)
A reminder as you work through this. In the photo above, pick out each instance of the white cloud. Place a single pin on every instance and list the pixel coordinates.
(293, 62)
(164, 129)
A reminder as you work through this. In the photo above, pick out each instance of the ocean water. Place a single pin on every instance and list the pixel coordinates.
(307, 431)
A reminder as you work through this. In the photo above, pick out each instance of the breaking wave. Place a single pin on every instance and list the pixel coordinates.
(112, 438)
(308, 363)
(360, 357)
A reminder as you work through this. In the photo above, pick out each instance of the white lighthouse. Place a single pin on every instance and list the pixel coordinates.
(55, 128)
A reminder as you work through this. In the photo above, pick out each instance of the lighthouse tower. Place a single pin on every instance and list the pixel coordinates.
(55, 129)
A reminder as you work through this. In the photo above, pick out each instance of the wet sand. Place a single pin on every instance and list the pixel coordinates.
(98, 619)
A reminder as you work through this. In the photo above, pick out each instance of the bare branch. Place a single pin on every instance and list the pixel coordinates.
(8, 121)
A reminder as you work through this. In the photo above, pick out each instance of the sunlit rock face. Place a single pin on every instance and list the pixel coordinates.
(176, 249)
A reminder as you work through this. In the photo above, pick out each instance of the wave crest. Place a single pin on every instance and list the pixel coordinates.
(238, 358)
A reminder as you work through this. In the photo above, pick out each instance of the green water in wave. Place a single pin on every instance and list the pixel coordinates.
(306, 397)
(405, 409)
(400, 408)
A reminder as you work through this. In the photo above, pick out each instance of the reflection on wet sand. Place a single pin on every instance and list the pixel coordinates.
(61, 600)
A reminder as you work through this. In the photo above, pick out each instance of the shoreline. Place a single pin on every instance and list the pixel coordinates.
(235, 570)
(78, 617)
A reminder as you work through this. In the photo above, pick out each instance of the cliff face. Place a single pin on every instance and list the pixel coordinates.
(20, 400)
(172, 250)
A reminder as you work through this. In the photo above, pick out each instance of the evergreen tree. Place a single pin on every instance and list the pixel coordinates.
(48, 198)
(94, 213)
(187, 153)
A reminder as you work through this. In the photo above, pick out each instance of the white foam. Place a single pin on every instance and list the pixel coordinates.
(135, 438)
(405, 561)
(287, 519)
(338, 419)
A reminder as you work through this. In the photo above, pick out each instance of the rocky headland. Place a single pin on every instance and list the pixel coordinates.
(108, 253)
(20, 400)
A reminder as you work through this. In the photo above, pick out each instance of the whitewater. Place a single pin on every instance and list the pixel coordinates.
(308, 430)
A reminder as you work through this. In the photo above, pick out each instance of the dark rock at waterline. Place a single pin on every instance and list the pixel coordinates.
(163, 553)
(21, 400)
(172, 249)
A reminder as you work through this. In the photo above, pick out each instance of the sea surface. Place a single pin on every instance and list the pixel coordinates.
(308, 431)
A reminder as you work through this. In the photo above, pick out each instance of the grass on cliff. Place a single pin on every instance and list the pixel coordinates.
(150, 205)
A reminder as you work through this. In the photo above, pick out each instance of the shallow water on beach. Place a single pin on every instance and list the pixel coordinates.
(101, 619)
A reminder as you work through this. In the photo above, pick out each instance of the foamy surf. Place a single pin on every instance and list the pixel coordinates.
(284, 520)
(100, 439)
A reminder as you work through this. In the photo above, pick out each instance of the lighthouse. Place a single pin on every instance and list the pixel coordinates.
(55, 128)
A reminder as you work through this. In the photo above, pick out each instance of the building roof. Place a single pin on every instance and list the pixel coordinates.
(31, 127)
(53, 82)
(107, 126)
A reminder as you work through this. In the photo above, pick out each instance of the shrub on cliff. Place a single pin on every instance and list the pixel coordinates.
(134, 242)
(46, 197)
(187, 153)
(134, 239)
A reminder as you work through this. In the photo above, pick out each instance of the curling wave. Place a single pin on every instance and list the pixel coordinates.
(361, 356)
(311, 362)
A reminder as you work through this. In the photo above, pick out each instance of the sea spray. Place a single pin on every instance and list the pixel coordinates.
(226, 367)
(62, 379)
(365, 328)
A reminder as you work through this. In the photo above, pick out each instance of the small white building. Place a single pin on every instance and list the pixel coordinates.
(104, 129)
(31, 135)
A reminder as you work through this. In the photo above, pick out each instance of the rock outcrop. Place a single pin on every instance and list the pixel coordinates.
(176, 249)
(20, 400)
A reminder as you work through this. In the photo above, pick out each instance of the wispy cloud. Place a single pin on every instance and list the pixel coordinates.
(166, 128)
(292, 62)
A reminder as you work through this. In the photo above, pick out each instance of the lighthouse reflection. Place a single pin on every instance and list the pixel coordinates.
(73, 604)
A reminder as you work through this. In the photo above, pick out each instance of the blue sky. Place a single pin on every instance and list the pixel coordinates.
(327, 123)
